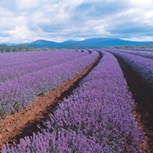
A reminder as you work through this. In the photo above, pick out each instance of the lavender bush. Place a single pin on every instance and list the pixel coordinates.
(19, 58)
(143, 66)
(95, 118)
(10, 73)
(21, 91)
(139, 53)
(143, 54)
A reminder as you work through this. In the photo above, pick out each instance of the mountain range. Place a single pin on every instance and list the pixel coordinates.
(87, 43)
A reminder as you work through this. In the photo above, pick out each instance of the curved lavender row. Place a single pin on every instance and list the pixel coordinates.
(17, 93)
(15, 56)
(143, 54)
(18, 71)
(139, 53)
(98, 113)
(143, 66)
(8, 59)
(31, 57)
(62, 141)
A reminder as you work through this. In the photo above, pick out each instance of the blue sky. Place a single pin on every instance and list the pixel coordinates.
(60, 20)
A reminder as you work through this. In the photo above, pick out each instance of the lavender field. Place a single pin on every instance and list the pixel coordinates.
(22, 84)
(109, 111)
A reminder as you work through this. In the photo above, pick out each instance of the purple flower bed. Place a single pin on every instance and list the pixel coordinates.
(19, 58)
(143, 54)
(96, 118)
(143, 66)
(17, 93)
(17, 71)
(61, 141)
(139, 53)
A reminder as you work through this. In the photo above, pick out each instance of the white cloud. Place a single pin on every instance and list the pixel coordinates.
(5, 13)
(21, 32)
(141, 3)
(26, 20)
(145, 38)
(26, 4)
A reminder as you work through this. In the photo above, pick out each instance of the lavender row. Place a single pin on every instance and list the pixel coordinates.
(143, 54)
(143, 66)
(10, 60)
(12, 57)
(139, 53)
(18, 71)
(18, 93)
(95, 118)
(61, 141)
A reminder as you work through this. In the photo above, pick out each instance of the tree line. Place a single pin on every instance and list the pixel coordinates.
(4, 48)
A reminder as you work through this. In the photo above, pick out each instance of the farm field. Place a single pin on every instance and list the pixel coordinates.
(82, 101)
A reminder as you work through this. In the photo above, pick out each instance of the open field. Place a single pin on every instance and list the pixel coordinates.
(82, 101)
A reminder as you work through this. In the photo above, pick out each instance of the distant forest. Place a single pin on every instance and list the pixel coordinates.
(4, 48)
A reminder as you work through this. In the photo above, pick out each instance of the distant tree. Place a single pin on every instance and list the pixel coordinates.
(4, 48)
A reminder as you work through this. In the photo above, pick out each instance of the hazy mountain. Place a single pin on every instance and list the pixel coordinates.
(52, 44)
(87, 43)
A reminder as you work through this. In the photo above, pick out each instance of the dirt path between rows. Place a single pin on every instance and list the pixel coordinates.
(25, 122)
(143, 97)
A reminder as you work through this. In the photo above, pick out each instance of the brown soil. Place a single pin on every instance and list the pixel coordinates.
(25, 122)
